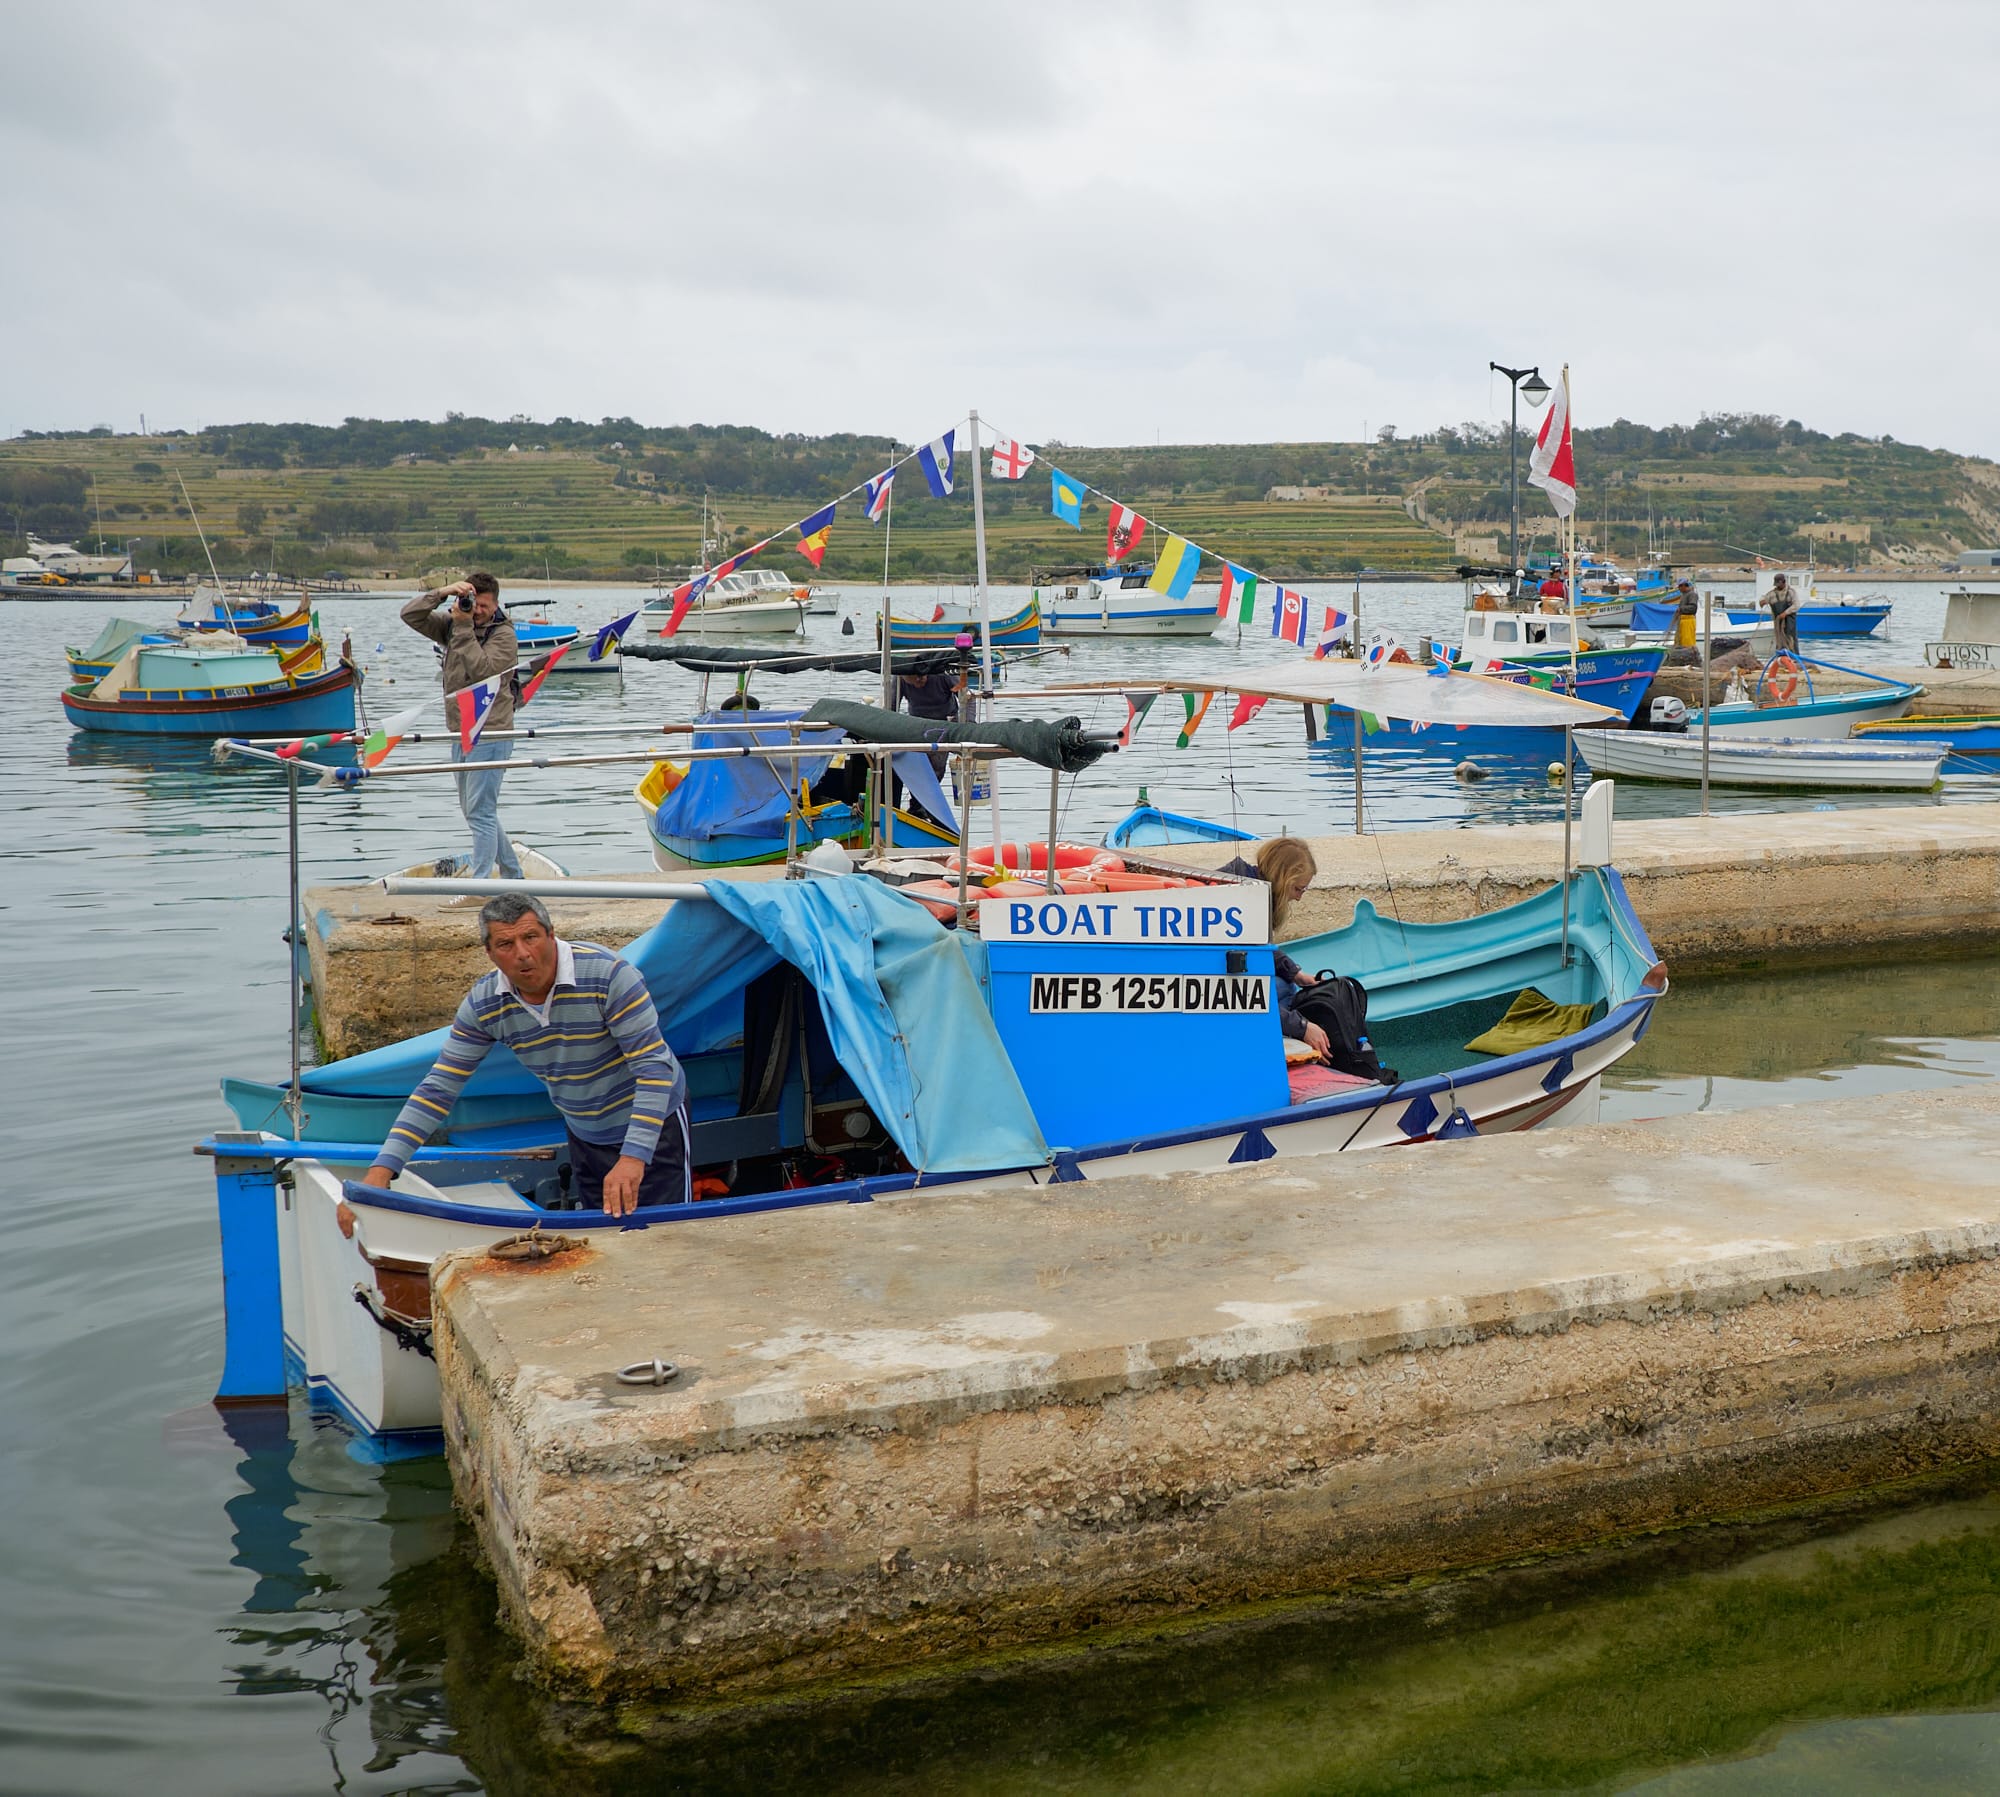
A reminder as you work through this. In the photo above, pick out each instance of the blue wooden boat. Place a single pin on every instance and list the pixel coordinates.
(1823, 617)
(1783, 703)
(872, 1023)
(1019, 629)
(739, 813)
(1148, 827)
(1977, 734)
(174, 690)
(255, 620)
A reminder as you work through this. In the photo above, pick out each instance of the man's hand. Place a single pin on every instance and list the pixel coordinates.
(379, 1177)
(621, 1186)
(1315, 1040)
(1306, 979)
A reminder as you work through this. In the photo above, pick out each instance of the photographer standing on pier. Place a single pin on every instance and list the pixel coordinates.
(477, 637)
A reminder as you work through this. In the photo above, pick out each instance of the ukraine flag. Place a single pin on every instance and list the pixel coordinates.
(1173, 573)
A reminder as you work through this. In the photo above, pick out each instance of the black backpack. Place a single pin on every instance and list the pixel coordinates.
(1339, 1006)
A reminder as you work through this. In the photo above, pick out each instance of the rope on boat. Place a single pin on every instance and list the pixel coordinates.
(413, 1333)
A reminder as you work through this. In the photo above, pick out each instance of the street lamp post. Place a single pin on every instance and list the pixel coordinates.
(1537, 389)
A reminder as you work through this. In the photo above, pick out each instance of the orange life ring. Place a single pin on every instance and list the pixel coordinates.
(1015, 857)
(1786, 682)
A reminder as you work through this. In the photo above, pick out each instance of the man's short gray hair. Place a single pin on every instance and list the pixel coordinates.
(511, 907)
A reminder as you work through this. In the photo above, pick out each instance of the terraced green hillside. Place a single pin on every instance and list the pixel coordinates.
(399, 499)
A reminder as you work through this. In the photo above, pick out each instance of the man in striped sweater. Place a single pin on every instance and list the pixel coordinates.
(581, 1021)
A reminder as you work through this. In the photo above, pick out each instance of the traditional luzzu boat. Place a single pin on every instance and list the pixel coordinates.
(737, 813)
(255, 620)
(1782, 702)
(217, 689)
(1018, 629)
(835, 1032)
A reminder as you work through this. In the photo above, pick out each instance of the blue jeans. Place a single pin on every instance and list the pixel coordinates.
(479, 799)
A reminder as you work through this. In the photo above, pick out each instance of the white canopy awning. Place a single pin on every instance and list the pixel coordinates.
(1387, 690)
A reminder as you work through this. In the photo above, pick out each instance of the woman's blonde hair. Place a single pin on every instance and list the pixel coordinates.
(1282, 863)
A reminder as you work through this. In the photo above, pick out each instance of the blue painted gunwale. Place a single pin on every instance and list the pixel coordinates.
(1148, 827)
(322, 702)
(1020, 628)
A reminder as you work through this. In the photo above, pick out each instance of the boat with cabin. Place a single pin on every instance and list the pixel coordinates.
(1117, 601)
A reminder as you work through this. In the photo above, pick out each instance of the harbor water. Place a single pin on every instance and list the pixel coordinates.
(219, 1603)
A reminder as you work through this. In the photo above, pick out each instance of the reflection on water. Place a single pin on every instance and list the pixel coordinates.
(1744, 1040)
(239, 1606)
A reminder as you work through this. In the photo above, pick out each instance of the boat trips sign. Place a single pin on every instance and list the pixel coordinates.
(1207, 916)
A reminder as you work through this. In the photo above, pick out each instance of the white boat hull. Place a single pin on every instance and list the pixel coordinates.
(1112, 620)
(1735, 760)
(777, 617)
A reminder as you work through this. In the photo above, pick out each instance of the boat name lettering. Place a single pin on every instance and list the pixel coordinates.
(1188, 994)
(1232, 915)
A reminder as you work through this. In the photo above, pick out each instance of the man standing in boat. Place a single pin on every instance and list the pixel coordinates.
(580, 1019)
(477, 638)
(1784, 604)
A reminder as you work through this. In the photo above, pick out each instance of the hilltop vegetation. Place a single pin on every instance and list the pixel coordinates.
(572, 499)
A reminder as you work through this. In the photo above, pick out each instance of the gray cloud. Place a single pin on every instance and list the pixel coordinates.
(1211, 221)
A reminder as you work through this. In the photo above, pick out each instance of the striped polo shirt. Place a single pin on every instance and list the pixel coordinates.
(598, 1050)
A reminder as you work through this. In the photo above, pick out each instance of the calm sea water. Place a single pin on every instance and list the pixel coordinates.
(189, 1606)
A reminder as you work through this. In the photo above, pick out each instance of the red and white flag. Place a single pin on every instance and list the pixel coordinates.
(1122, 537)
(1551, 465)
(470, 704)
(533, 684)
(1011, 460)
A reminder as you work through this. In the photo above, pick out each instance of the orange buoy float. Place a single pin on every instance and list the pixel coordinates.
(1780, 678)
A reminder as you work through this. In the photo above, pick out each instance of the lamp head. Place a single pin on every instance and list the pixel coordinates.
(1534, 389)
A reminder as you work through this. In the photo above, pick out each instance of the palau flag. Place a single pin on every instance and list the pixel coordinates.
(1238, 584)
(813, 534)
(1173, 573)
(1066, 497)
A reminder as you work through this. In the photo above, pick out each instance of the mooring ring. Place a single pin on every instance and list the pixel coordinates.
(648, 1372)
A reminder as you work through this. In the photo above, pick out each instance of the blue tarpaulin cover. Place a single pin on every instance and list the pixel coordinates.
(901, 1002)
(750, 797)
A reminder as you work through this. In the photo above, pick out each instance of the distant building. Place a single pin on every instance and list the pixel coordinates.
(1298, 493)
(1979, 558)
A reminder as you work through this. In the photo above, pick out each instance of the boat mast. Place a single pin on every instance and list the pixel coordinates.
(985, 623)
(888, 609)
(198, 531)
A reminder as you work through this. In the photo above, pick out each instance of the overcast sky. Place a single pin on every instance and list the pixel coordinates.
(1219, 220)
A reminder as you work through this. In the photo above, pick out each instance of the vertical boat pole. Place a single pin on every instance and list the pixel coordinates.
(294, 1098)
(1707, 621)
(964, 831)
(1569, 730)
(1360, 828)
(985, 621)
(888, 524)
(1055, 813)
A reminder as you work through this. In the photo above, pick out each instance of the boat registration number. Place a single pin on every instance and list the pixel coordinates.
(1187, 993)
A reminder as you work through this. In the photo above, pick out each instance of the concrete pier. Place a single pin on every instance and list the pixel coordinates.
(932, 1433)
(1728, 891)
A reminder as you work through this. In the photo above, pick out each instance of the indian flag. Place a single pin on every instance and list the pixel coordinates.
(1237, 583)
(384, 737)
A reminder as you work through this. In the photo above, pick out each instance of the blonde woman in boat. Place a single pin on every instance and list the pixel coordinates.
(1287, 866)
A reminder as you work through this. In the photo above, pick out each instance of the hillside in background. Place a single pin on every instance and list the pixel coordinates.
(399, 499)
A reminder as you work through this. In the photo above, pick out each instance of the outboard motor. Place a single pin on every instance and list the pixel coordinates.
(1667, 713)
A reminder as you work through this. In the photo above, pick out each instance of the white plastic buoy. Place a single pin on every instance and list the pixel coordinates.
(829, 858)
(1469, 770)
(1555, 773)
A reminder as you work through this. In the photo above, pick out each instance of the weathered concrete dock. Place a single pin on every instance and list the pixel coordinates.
(1727, 891)
(929, 1433)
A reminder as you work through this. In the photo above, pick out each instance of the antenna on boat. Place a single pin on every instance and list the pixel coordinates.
(198, 531)
(888, 610)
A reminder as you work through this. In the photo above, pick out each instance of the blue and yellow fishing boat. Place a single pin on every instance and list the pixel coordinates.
(1019, 629)
(175, 689)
